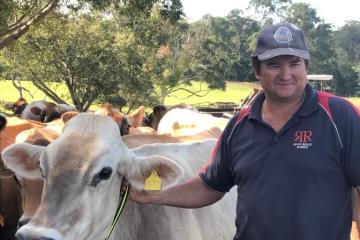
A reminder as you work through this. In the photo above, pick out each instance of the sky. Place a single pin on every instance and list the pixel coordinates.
(335, 12)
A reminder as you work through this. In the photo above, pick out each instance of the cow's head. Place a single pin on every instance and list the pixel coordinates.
(49, 113)
(83, 170)
(107, 109)
(19, 106)
(153, 119)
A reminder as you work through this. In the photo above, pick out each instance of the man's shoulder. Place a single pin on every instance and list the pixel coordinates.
(337, 105)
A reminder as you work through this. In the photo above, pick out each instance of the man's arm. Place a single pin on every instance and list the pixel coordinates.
(192, 194)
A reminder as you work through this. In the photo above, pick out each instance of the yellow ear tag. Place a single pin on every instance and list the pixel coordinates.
(153, 182)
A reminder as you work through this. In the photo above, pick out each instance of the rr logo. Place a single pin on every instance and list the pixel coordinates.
(303, 136)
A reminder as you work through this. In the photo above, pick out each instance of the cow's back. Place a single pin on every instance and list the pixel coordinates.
(154, 222)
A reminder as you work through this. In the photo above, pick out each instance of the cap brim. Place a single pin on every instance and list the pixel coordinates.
(284, 51)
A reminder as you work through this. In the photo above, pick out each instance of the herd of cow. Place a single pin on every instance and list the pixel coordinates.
(61, 178)
(61, 173)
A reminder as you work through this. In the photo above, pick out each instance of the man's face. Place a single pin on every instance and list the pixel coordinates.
(283, 78)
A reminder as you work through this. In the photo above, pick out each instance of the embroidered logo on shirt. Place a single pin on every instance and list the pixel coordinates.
(302, 139)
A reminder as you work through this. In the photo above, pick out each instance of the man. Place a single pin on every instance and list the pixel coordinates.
(294, 165)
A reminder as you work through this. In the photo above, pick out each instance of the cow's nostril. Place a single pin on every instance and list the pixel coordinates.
(19, 236)
(45, 238)
(23, 221)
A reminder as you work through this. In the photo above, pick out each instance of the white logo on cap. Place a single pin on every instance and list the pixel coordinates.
(283, 35)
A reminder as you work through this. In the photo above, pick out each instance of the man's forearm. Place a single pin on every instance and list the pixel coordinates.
(192, 194)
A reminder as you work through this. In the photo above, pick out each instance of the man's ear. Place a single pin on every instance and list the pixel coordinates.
(255, 71)
(23, 159)
(140, 168)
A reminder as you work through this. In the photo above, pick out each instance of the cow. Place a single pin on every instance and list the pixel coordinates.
(10, 207)
(44, 111)
(152, 120)
(132, 141)
(185, 122)
(83, 170)
(126, 123)
(14, 126)
(10, 199)
(17, 107)
(31, 189)
(13, 203)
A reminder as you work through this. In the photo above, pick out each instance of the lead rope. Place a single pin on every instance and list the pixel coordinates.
(123, 197)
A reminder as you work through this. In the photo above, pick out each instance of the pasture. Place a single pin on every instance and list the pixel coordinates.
(235, 92)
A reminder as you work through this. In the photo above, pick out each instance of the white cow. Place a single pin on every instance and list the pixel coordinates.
(83, 170)
(186, 122)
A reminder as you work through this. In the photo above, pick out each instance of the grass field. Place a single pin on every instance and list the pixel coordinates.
(235, 92)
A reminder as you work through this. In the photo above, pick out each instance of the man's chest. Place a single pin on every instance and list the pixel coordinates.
(257, 150)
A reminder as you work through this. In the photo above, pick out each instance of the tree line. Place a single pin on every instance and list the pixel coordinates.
(134, 52)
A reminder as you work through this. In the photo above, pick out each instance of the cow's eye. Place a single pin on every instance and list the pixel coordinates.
(104, 174)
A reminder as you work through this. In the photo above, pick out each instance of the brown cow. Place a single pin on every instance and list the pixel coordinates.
(10, 207)
(10, 198)
(17, 107)
(19, 130)
(128, 124)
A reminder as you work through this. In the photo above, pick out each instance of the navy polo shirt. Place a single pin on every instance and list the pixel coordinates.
(295, 184)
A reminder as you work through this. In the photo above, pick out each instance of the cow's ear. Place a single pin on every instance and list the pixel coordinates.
(66, 116)
(36, 111)
(137, 117)
(168, 171)
(23, 159)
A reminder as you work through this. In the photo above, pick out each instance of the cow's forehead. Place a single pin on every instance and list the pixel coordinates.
(74, 150)
(85, 140)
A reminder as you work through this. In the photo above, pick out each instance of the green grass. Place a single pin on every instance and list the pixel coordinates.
(8, 93)
(355, 100)
(235, 92)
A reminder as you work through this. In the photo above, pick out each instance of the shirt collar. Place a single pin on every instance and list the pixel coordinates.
(308, 106)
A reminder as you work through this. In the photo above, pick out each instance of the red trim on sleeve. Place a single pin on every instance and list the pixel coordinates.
(213, 153)
(324, 101)
(243, 113)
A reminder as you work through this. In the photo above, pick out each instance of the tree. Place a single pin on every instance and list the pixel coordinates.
(82, 53)
(346, 80)
(222, 48)
(348, 39)
(268, 9)
(18, 16)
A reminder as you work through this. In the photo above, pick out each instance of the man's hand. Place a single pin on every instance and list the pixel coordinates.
(143, 196)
